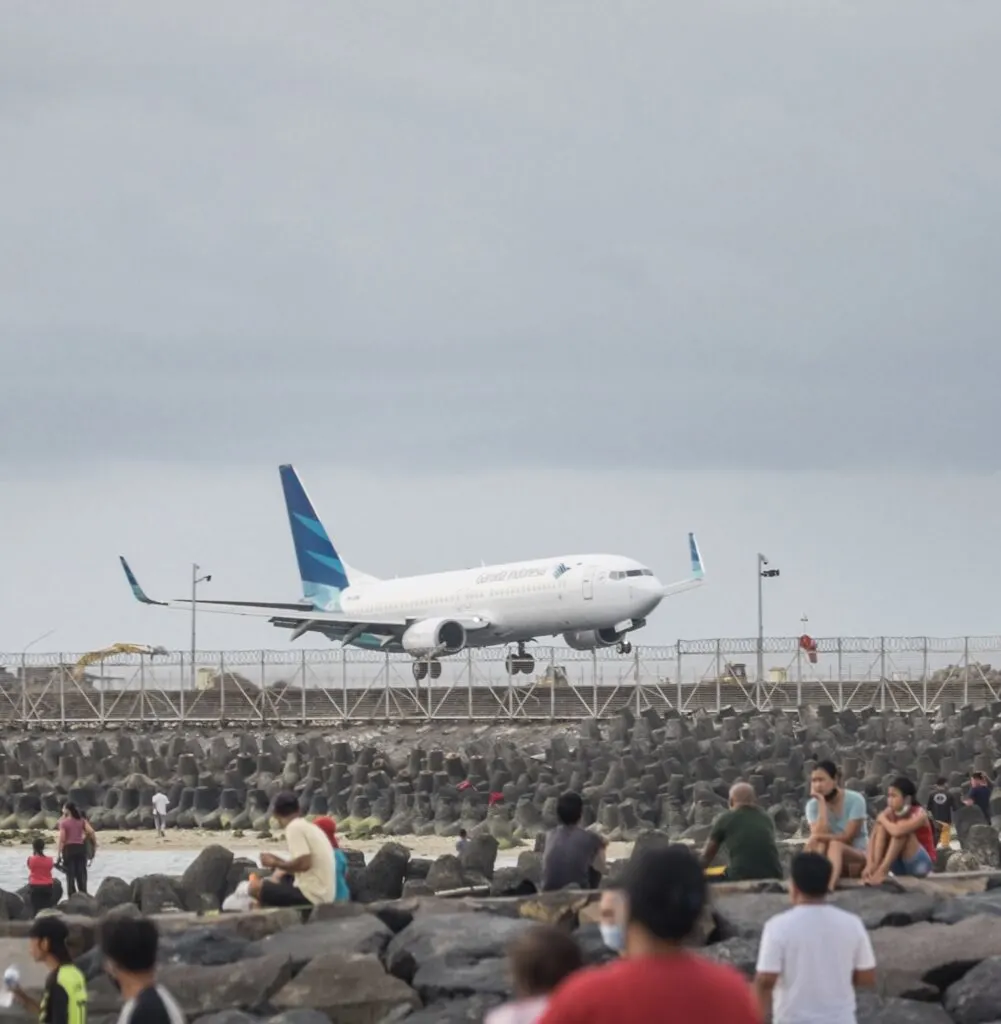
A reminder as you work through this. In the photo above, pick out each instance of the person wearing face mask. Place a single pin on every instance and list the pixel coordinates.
(129, 946)
(839, 822)
(612, 912)
(902, 838)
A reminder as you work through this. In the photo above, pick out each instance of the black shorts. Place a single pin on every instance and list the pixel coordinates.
(281, 894)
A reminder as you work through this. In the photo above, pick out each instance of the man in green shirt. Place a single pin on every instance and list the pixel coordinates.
(748, 835)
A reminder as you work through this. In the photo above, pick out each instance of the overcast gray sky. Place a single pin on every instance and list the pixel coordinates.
(503, 280)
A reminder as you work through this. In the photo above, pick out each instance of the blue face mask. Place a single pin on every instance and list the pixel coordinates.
(612, 936)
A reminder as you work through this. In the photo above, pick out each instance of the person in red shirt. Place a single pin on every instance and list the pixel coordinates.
(40, 883)
(658, 980)
(902, 839)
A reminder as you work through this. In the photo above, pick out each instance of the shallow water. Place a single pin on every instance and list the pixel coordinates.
(127, 865)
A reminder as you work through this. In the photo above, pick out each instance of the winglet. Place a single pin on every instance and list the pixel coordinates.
(137, 591)
(698, 569)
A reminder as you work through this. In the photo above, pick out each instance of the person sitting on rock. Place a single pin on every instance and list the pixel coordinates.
(307, 876)
(571, 851)
(540, 959)
(838, 820)
(812, 957)
(328, 827)
(129, 946)
(658, 979)
(747, 834)
(902, 839)
(941, 805)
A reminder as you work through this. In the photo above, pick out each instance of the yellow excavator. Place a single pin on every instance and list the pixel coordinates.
(107, 652)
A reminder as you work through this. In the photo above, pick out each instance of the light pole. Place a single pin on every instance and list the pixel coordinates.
(195, 580)
(763, 573)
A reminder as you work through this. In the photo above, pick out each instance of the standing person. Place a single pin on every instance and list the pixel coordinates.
(160, 804)
(307, 876)
(64, 997)
(71, 847)
(902, 839)
(540, 958)
(814, 956)
(570, 850)
(941, 804)
(328, 827)
(748, 835)
(129, 946)
(40, 882)
(462, 842)
(838, 820)
(658, 980)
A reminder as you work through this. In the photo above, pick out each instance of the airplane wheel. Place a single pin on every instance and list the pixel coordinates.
(511, 665)
(625, 647)
(420, 670)
(435, 669)
(527, 664)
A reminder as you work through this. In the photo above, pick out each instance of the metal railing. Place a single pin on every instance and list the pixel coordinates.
(331, 685)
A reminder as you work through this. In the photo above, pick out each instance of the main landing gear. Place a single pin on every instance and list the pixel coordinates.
(520, 662)
(424, 667)
(624, 647)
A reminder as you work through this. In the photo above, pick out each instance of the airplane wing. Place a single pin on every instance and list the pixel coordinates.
(300, 617)
(698, 571)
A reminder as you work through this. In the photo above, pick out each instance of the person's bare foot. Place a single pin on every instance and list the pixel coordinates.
(876, 878)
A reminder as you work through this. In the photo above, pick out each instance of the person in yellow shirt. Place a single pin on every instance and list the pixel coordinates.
(64, 998)
(306, 877)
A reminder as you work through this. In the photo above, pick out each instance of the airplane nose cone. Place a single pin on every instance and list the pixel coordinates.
(646, 589)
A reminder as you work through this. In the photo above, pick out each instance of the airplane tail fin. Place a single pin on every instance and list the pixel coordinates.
(698, 570)
(321, 570)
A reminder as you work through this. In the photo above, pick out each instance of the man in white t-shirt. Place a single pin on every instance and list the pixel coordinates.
(307, 876)
(814, 956)
(160, 805)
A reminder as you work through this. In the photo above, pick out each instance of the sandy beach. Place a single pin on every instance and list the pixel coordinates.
(191, 840)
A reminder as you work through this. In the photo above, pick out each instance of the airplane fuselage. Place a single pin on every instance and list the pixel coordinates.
(520, 600)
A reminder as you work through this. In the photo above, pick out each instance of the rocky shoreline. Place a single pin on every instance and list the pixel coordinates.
(428, 959)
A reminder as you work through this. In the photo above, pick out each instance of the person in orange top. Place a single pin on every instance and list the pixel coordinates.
(658, 980)
(40, 881)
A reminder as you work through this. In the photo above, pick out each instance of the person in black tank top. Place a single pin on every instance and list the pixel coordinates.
(129, 946)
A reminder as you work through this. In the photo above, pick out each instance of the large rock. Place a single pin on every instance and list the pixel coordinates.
(976, 997)
(873, 1009)
(348, 988)
(363, 934)
(203, 884)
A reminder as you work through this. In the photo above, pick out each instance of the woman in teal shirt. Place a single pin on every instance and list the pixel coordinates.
(328, 826)
(839, 822)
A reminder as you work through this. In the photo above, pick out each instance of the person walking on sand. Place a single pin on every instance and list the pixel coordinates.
(160, 805)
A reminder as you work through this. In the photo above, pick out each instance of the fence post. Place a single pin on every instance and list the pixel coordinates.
(882, 673)
(344, 683)
(387, 685)
(636, 677)
(719, 672)
(552, 683)
(222, 686)
(924, 678)
(799, 676)
(24, 690)
(180, 699)
(142, 688)
(62, 691)
(841, 675)
(966, 670)
(100, 696)
(594, 683)
(680, 698)
(469, 682)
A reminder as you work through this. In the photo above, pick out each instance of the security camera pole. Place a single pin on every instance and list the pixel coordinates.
(763, 573)
(195, 580)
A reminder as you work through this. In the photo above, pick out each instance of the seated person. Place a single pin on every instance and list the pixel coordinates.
(902, 839)
(748, 835)
(540, 960)
(307, 877)
(571, 855)
(838, 820)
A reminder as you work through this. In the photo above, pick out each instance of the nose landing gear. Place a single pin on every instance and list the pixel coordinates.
(520, 662)
(624, 647)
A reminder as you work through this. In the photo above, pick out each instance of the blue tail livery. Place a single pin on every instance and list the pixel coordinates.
(321, 570)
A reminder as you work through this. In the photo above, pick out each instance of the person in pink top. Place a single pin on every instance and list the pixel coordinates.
(71, 849)
(540, 959)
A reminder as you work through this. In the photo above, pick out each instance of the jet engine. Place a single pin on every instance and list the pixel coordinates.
(434, 636)
(589, 639)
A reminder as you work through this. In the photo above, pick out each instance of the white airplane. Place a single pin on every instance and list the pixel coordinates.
(592, 600)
